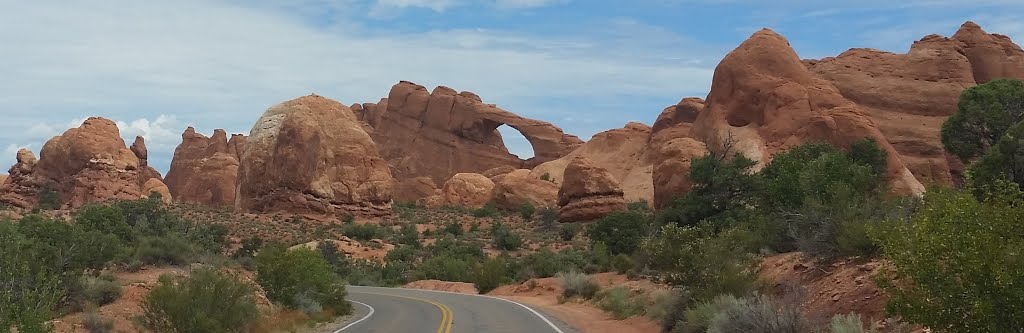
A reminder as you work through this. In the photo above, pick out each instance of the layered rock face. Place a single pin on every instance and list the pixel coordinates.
(909, 96)
(764, 100)
(86, 164)
(672, 149)
(311, 155)
(414, 190)
(622, 152)
(438, 134)
(203, 169)
(514, 189)
(589, 192)
(471, 190)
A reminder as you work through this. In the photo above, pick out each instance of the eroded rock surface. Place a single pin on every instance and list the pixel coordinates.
(588, 192)
(311, 155)
(514, 189)
(471, 190)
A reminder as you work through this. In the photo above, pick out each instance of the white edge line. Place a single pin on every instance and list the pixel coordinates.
(367, 316)
(538, 314)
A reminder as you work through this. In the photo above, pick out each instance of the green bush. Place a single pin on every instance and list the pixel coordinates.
(547, 263)
(406, 253)
(985, 112)
(959, 262)
(48, 198)
(850, 323)
(32, 285)
(100, 291)
(621, 303)
(702, 262)
(249, 247)
(290, 276)
(548, 217)
(623, 263)
(569, 231)
(490, 274)
(206, 301)
(452, 228)
(722, 185)
(577, 284)
(526, 211)
(409, 236)
(755, 314)
(362, 232)
(488, 210)
(504, 238)
(168, 250)
(1004, 161)
(96, 324)
(445, 268)
(621, 231)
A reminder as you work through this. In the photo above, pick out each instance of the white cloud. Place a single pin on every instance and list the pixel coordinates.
(219, 64)
(527, 3)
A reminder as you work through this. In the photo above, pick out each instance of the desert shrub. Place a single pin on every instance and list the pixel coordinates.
(702, 262)
(600, 257)
(959, 262)
(452, 228)
(985, 112)
(362, 232)
(577, 284)
(504, 238)
(406, 253)
(722, 185)
(32, 286)
(456, 248)
(547, 263)
(620, 231)
(545, 177)
(101, 290)
(490, 274)
(840, 228)
(445, 268)
(205, 301)
(287, 274)
(548, 217)
(1004, 161)
(48, 198)
(623, 263)
(409, 236)
(488, 210)
(754, 314)
(849, 323)
(169, 250)
(526, 211)
(621, 303)
(96, 324)
(569, 231)
(249, 247)
(106, 219)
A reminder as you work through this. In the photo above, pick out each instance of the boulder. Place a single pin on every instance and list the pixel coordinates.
(440, 133)
(494, 172)
(413, 190)
(471, 190)
(519, 187)
(623, 152)
(588, 192)
(156, 186)
(212, 181)
(198, 175)
(311, 155)
(764, 100)
(21, 187)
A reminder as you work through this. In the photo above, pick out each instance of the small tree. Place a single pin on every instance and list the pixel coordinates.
(206, 301)
(490, 274)
(1004, 161)
(959, 262)
(984, 114)
(526, 211)
(621, 231)
(291, 277)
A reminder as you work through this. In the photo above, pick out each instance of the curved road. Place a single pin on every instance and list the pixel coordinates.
(395, 310)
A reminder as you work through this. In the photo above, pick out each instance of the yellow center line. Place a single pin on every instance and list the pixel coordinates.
(446, 313)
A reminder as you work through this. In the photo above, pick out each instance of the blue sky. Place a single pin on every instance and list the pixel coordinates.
(587, 66)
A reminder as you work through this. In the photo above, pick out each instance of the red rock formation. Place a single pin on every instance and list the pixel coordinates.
(198, 175)
(438, 134)
(470, 190)
(86, 164)
(212, 181)
(514, 189)
(146, 172)
(494, 172)
(588, 193)
(672, 149)
(766, 100)
(311, 155)
(909, 96)
(413, 190)
(154, 185)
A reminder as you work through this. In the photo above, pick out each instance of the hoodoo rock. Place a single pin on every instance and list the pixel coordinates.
(471, 190)
(623, 152)
(146, 172)
(414, 190)
(438, 134)
(203, 169)
(212, 181)
(311, 155)
(764, 100)
(515, 189)
(86, 164)
(156, 186)
(672, 149)
(589, 192)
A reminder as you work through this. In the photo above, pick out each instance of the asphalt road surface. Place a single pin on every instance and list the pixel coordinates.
(394, 310)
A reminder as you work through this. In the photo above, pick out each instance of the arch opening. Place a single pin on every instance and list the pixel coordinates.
(516, 143)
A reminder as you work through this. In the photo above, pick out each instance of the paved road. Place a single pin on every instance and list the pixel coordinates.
(394, 310)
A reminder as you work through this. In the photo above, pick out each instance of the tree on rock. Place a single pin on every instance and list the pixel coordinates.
(983, 116)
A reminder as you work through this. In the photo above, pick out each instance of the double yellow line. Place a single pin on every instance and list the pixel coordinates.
(446, 313)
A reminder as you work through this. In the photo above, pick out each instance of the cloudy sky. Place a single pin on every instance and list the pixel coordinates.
(585, 65)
